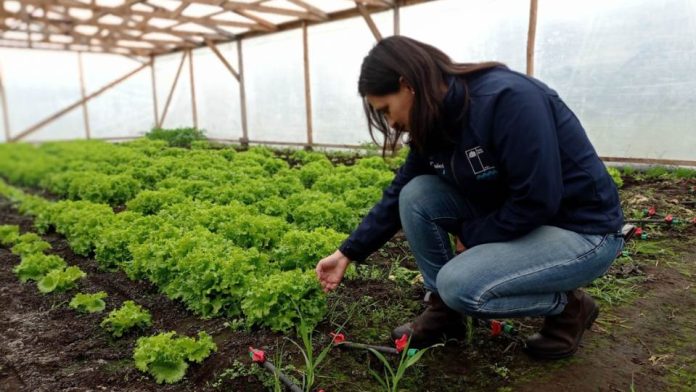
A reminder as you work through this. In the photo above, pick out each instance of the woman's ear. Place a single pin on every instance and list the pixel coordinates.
(404, 84)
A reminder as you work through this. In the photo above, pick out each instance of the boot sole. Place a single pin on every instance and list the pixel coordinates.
(566, 354)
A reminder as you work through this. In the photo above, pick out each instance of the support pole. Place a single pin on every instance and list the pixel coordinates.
(193, 90)
(397, 18)
(85, 113)
(531, 36)
(5, 112)
(61, 113)
(154, 88)
(308, 92)
(171, 91)
(242, 94)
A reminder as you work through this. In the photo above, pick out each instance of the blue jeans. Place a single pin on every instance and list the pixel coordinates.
(527, 276)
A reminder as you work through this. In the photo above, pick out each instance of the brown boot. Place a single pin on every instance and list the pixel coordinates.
(435, 324)
(560, 336)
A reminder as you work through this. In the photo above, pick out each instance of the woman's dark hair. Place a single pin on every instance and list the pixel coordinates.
(424, 68)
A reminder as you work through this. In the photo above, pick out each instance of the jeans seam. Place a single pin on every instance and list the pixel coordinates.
(491, 287)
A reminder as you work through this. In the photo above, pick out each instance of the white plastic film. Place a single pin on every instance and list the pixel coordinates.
(626, 68)
(217, 93)
(274, 84)
(179, 113)
(39, 83)
(125, 109)
(472, 30)
(336, 52)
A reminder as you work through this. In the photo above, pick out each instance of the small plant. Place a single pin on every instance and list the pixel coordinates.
(8, 234)
(89, 303)
(129, 315)
(311, 363)
(29, 243)
(391, 379)
(616, 176)
(164, 356)
(179, 137)
(36, 266)
(60, 279)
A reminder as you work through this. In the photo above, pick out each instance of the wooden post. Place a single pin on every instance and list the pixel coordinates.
(61, 113)
(531, 36)
(193, 90)
(5, 112)
(154, 88)
(242, 94)
(308, 92)
(171, 91)
(85, 113)
(397, 18)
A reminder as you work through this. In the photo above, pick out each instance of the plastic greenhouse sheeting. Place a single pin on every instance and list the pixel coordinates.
(625, 67)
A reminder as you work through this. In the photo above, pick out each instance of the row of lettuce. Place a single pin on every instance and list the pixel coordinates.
(165, 356)
(229, 233)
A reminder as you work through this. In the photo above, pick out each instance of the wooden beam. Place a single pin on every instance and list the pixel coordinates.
(310, 8)
(370, 23)
(5, 112)
(242, 93)
(171, 91)
(154, 87)
(219, 55)
(61, 113)
(193, 90)
(243, 7)
(308, 92)
(85, 114)
(531, 36)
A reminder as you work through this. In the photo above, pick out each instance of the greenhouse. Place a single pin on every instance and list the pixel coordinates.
(347, 195)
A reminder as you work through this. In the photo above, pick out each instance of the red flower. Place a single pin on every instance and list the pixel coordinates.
(651, 211)
(401, 343)
(639, 231)
(669, 218)
(337, 338)
(496, 328)
(257, 356)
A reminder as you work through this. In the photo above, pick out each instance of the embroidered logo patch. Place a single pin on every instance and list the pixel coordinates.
(478, 161)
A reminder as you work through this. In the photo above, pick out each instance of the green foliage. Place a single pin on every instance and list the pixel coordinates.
(657, 172)
(29, 244)
(93, 186)
(310, 172)
(60, 279)
(89, 303)
(392, 377)
(616, 176)
(271, 300)
(303, 249)
(178, 137)
(151, 202)
(35, 266)
(9, 234)
(128, 316)
(164, 356)
(80, 222)
(312, 363)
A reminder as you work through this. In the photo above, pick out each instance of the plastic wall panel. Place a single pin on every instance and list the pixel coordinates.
(179, 113)
(217, 93)
(472, 30)
(626, 68)
(336, 53)
(274, 84)
(124, 110)
(38, 84)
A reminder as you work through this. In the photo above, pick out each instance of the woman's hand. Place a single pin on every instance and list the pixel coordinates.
(330, 270)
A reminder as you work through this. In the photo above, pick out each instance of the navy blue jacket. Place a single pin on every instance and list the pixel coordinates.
(521, 156)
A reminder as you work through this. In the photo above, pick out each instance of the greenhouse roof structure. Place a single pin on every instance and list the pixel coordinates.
(155, 27)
